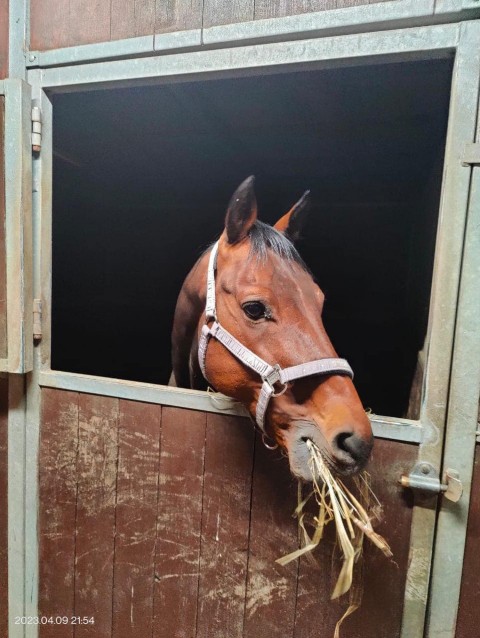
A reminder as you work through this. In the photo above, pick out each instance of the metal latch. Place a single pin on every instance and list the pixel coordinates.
(424, 477)
(37, 319)
(36, 128)
(471, 153)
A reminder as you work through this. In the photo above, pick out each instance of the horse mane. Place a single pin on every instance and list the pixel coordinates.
(264, 237)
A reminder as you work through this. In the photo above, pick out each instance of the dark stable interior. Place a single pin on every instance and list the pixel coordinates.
(142, 177)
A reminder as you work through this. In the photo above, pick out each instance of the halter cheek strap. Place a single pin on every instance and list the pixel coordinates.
(270, 375)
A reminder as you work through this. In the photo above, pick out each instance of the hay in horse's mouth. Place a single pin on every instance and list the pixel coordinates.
(353, 521)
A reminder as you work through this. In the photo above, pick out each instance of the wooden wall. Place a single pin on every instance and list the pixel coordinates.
(63, 23)
(3, 507)
(468, 620)
(164, 520)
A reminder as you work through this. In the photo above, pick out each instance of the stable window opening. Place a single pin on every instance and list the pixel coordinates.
(142, 177)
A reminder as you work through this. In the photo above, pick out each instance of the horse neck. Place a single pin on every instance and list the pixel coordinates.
(190, 307)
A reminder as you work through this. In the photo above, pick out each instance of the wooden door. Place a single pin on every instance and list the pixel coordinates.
(162, 521)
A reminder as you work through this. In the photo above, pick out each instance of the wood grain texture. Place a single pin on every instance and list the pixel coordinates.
(89, 21)
(468, 619)
(3, 38)
(167, 522)
(280, 8)
(50, 24)
(3, 254)
(136, 518)
(217, 12)
(178, 15)
(271, 589)
(97, 476)
(225, 527)
(131, 18)
(383, 580)
(57, 508)
(179, 522)
(3, 506)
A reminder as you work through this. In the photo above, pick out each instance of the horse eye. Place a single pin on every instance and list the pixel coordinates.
(254, 309)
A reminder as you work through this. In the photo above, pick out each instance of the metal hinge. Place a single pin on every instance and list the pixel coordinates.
(37, 319)
(36, 127)
(424, 477)
(471, 154)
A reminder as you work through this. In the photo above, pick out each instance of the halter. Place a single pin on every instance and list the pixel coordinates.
(270, 375)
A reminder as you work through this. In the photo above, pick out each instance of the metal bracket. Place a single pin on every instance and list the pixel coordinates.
(37, 319)
(424, 477)
(471, 154)
(36, 128)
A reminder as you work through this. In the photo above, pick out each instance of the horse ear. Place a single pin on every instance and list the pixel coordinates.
(241, 211)
(292, 223)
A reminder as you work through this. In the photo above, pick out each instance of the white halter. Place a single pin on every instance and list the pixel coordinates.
(269, 374)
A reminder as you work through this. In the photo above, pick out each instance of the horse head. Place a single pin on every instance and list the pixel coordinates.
(263, 342)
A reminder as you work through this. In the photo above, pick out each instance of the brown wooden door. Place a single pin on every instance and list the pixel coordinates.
(164, 521)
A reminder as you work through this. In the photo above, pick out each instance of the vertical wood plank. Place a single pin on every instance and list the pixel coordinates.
(354, 3)
(217, 12)
(225, 527)
(383, 579)
(89, 21)
(281, 8)
(49, 24)
(271, 589)
(57, 507)
(132, 18)
(3, 39)
(175, 15)
(97, 474)
(179, 523)
(136, 517)
(3, 506)
(3, 254)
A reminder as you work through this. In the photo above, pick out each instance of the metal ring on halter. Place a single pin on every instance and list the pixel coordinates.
(274, 377)
(264, 441)
(282, 391)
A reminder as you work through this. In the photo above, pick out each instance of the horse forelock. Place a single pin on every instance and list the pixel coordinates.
(264, 238)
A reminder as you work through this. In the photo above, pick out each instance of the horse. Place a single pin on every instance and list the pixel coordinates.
(248, 323)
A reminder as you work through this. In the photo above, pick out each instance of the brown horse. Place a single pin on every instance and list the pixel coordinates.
(257, 336)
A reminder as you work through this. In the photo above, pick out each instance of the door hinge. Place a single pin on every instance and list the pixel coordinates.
(37, 319)
(471, 154)
(36, 127)
(424, 477)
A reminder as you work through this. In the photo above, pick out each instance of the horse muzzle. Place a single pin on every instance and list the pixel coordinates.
(345, 454)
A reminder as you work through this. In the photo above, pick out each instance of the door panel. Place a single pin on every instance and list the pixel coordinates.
(147, 509)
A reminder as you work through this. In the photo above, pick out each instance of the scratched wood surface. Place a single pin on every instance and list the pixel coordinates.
(3, 506)
(167, 522)
(135, 518)
(3, 264)
(468, 619)
(62, 23)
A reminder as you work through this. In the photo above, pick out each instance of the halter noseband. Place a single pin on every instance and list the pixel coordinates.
(270, 375)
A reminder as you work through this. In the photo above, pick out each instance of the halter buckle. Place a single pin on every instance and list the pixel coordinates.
(273, 378)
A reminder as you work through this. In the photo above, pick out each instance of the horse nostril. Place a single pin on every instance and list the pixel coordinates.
(352, 447)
